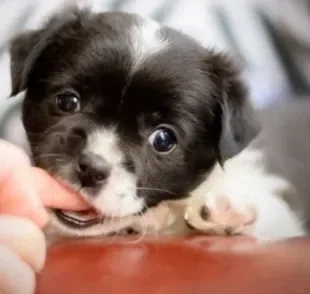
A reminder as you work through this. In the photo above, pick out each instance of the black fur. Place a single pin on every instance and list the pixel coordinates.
(194, 90)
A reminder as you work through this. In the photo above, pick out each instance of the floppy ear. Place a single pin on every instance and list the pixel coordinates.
(27, 47)
(22, 48)
(237, 121)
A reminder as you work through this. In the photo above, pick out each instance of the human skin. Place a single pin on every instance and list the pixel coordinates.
(25, 192)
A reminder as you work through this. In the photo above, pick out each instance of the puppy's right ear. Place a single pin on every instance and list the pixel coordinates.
(22, 48)
(236, 117)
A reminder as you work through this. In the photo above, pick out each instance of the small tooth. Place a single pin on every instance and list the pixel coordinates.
(79, 216)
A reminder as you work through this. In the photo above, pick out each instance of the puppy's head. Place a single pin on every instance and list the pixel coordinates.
(126, 111)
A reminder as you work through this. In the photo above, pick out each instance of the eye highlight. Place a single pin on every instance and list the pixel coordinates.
(163, 140)
(68, 102)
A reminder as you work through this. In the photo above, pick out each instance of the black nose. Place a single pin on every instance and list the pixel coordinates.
(92, 170)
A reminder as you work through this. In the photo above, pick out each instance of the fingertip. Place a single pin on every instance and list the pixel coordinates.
(16, 276)
(25, 239)
(54, 194)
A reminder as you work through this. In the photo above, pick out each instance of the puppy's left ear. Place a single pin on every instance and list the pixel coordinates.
(23, 51)
(235, 117)
(27, 47)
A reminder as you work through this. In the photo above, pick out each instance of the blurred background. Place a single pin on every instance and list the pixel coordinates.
(271, 39)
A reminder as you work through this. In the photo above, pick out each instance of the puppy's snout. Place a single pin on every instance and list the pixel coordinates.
(92, 170)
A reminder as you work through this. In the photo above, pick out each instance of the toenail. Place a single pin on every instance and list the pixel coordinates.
(204, 213)
(228, 231)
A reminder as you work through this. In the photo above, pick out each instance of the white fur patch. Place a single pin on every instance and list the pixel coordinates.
(118, 196)
(145, 41)
(246, 182)
(104, 143)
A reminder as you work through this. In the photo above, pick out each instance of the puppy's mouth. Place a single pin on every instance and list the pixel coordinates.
(79, 219)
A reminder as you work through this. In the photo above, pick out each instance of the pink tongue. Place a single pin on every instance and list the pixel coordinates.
(88, 212)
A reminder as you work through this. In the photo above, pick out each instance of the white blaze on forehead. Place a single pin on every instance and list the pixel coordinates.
(104, 143)
(146, 40)
(118, 197)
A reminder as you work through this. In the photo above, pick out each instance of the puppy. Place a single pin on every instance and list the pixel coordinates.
(126, 111)
(264, 190)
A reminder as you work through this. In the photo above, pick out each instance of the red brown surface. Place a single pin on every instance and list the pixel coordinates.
(196, 265)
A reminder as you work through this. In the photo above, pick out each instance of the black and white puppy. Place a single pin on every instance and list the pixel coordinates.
(127, 111)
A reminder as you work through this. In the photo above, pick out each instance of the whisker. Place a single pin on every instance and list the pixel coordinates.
(50, 155)
(120, 225)
(154, 220)
(114, 233)
(52, 169)
(156, 189)
(142, 234)
(144, 225)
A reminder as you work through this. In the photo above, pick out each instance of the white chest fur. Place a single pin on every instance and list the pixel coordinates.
(244, 181)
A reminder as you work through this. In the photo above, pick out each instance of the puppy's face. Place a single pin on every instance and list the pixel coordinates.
(126, 111)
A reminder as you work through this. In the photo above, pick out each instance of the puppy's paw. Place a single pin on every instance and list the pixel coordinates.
(222, 215)
(228, 215)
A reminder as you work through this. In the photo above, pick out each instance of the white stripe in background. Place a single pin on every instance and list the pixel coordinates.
(5, 79)
(196, 19)
(142, 7)
(44, 10)
(265, 67)
(97, 5)
(191, 17)
(8, 23)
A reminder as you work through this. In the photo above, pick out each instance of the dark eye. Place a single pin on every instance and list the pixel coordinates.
(68, 102)
(163, 140)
